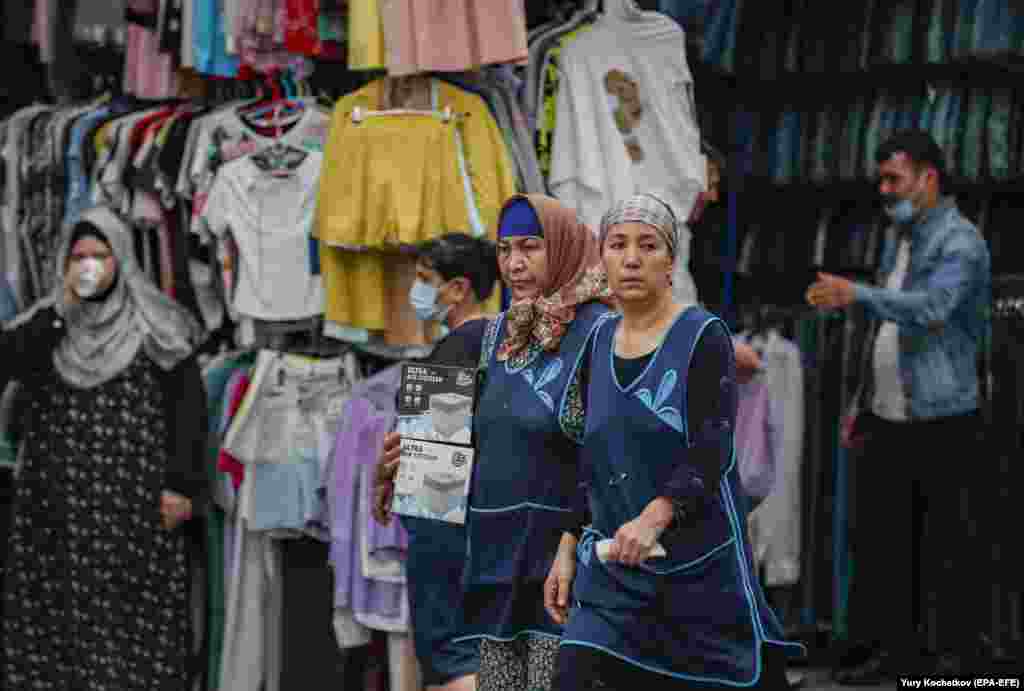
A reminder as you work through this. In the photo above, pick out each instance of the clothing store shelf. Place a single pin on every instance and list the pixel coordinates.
(813, 86)
(846, 189)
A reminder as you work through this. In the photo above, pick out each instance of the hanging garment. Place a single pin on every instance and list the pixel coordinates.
(148, 73)
(627, 117)
(269, 214)
(209, 38)
(216, 377)
(223, 136)
(366, 49)
(978, 108)
(363, 288)
(302, 33)
(402, 184)
(548, 85)
(452, 35)
(758, 432)
(999, 137)
(698, 614)
(367, 416)
(458, 175)
(775, 523)
(251, 656)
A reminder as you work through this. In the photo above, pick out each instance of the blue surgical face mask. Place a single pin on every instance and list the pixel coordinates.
(423, 298)
(901, 211)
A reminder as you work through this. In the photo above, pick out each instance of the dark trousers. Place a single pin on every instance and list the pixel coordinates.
(915, 583)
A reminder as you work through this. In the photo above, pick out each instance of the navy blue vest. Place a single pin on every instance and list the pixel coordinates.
(524, 479)
(699, 613)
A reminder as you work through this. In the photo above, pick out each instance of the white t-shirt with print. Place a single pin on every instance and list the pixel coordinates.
(592, 166)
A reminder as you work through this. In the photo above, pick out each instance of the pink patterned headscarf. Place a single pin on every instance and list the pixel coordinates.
(575, 276)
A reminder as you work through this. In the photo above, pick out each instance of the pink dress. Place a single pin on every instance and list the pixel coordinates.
(148, 73)
(452, 35)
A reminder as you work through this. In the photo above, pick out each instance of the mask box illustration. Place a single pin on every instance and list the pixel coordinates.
(435, 403)
(433, 481)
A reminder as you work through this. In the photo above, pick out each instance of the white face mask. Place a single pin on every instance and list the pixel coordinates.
(90, 276)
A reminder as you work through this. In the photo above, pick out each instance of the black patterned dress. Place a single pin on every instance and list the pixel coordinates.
(95, 589)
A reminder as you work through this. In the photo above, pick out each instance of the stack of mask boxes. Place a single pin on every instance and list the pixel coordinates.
(435, 420)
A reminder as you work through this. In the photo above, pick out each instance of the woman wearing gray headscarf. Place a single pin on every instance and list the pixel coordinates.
(95, 593)
(661, 581)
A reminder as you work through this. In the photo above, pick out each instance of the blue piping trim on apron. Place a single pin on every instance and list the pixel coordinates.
(734, 519)
(576, 368)
(522, 505)
(690, 564)
(498, 639)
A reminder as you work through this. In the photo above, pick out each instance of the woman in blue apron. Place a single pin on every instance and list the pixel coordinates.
(527, 438)
(663, 594)
(455, 275)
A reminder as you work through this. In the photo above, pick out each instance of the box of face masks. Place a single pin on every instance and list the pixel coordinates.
(433, 481)
(435, 421)
(435, 403)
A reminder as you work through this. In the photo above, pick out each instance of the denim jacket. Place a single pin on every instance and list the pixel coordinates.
(942, 312)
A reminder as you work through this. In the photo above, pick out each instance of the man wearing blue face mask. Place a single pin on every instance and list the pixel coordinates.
(915, 417)
(455, 275)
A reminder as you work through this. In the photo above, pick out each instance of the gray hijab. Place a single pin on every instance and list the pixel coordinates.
(103, 338)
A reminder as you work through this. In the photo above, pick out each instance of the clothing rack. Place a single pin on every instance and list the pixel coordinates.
(1007, 287)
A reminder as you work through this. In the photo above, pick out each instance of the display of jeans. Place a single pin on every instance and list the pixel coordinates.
(1000, 135)
(972, 125)
(816, 39)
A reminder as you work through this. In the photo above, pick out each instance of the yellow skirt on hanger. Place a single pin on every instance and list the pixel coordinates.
(401, 185)
(350, 214)
(365, 36)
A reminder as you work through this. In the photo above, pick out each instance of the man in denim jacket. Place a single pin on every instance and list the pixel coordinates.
(915, 418)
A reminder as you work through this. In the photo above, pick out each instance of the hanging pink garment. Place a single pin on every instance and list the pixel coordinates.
(148, 73)
(452, 35)
(42, 22)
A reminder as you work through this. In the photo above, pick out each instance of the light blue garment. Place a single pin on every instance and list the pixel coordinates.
(942, 312)
(209, 40)
(78, 194)
(8, 448)
(285, 495)
(8, 304)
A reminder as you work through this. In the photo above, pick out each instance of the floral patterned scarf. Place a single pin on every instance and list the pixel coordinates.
(575, 276)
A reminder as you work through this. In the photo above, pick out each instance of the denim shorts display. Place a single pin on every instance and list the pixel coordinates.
(284, 432)
(291, 401)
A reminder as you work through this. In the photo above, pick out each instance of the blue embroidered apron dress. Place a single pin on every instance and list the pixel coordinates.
(699, 613)
(524, 479)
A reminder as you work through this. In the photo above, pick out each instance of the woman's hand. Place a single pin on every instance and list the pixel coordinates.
(174, 509)
(558, 585)
(635, 541)
(748, 362)
(384, 479)
(70, 296)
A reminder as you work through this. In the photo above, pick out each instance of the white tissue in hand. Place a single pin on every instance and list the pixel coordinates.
(604, 546)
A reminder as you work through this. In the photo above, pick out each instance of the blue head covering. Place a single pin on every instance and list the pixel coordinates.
(519, 219)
